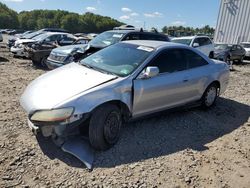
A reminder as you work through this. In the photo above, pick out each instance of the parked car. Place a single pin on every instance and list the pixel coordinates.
(64, 55)
(39, 51)
(12, 40)
(229, 53)
(1, 37)
(45, 38)
(246, 46)
(123, 81)
(202, 43)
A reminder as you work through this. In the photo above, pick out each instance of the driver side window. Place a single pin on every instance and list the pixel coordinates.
(170, 61)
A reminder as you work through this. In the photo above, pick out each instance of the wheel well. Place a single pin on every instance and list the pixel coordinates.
(216, 82)
(122, 106)
(211, 55)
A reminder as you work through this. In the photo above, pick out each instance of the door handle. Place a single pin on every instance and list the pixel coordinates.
(186, 80)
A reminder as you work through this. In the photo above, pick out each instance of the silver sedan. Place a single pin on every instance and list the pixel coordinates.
(121, 82)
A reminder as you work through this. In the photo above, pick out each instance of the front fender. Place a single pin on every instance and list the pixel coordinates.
(87, 101)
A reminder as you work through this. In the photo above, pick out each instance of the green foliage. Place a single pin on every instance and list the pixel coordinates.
(8, 17)
(38, 19)
(188, 30)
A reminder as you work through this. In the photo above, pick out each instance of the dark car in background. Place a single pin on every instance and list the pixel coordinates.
(229, 52)
(40, 50)
(64, 55)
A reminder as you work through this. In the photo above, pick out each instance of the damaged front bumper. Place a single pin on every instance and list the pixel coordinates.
(68, 137)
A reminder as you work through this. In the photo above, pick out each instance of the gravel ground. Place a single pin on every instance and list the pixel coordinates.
(187, 148)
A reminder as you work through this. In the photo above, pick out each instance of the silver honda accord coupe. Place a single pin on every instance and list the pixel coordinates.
(121, 82)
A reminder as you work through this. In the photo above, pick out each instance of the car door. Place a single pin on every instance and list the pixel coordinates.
(199, 73)
(202, 46)
(241, 51)
(234, 52)
(66, 40)
(168, 89)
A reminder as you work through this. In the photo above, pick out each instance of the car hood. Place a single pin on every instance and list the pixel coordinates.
(65, 50)
(23, 41)
(61, 84)
(220, 51)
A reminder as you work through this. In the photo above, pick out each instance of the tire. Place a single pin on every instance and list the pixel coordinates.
(35, 63)
(210, 95)
(105, 126)
(228, 60)
(211, 55)
(43, 62)
(241, 60)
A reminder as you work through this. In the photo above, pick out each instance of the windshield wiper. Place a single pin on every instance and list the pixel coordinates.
(97, 69)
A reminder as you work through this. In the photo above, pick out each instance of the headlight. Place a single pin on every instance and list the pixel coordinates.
(57, 115)
(20, 45)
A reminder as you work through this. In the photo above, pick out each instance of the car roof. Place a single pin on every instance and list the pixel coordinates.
(191, 37)
(153, 44)
(245, 42)
(54, 33)
(133, 31)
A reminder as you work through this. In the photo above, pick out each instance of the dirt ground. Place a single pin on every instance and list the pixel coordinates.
(187, 148)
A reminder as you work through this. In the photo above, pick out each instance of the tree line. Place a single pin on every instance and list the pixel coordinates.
(188, 30)
(73, 22)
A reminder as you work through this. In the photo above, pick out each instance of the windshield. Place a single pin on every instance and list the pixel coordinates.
(120, 59)
(40, 37)
(221, 46)
(31, 35)
(245, 45)
(106, 39)
(182, 41)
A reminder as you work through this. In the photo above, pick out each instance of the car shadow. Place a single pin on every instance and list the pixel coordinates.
(2, 59)
(51, 150)
(163, 134)
(168, 133)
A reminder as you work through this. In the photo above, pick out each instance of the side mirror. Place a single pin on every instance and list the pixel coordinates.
(149, 73)
(196, 45)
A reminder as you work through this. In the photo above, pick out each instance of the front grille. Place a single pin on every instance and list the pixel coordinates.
(57, 57)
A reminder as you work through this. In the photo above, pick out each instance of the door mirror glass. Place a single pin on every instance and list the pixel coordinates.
(149, 72)
(196, 45)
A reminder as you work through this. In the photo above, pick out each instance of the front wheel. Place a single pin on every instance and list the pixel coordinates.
(43, 62)
(210, 95)
(211, 55)
(104, 126)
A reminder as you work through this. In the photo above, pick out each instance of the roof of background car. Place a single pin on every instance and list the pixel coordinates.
(54, 33)
(190, 37)
(154, 44)
(132, 31)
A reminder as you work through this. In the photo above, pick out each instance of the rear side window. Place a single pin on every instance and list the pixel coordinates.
(148, 36)
(170, 61)
(132, 36)
(194, 60)
(204, 41)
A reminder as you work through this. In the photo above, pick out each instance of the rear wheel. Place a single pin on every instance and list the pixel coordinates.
(210, 95)
(104, 126)
(241, 60)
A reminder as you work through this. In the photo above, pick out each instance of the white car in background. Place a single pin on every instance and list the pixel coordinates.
(48, 37)
(201, 43)
(246, 46)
